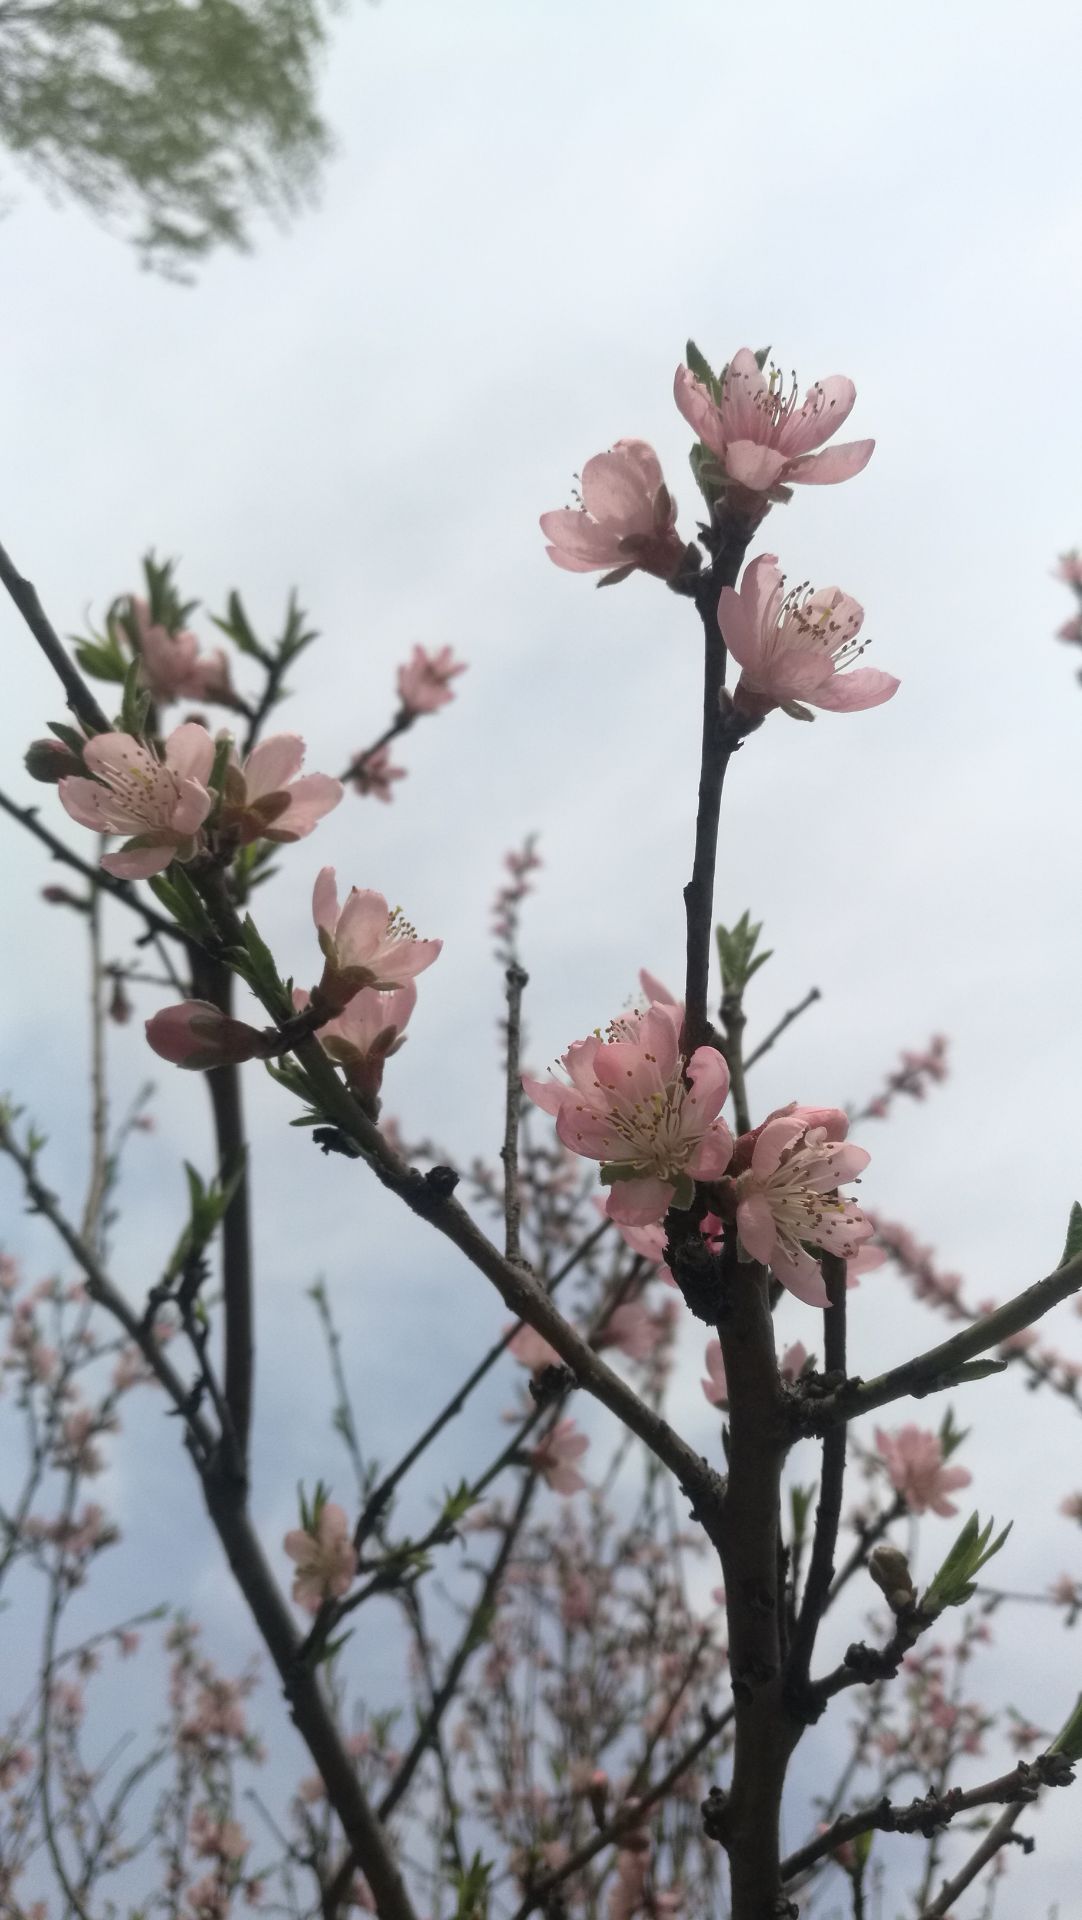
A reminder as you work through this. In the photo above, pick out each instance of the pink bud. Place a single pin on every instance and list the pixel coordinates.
(196, 1034)
(50, 761)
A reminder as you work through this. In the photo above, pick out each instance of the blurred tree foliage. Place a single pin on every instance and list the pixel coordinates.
(171, 120)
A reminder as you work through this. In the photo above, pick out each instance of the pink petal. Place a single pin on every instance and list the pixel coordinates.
(709, 1075)
(853, 691)
(191, 808)
(800, 1275)
(837, 463)
(575, 534)
(273, 764)
(569, 565)
(753, 466)
(656, 990)
(549, 1095)
(739, 629)
(826, 408)
(699, 411)
(755, 1225)
(309, 799)
(775, 1136)
(84, 801)
(139, 863)
(412, 957)
(613, 489)
(713, 1154)
(639, 1203)
(189, 752)
(590, 1133)
(325, 899)
(361, 924)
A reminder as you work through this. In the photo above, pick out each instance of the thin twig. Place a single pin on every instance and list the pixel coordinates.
(829, 1510)
(79, 697)
(516, 980)
(934, 1811)
(121, 890)
(786, 1020)
(377, 1500)
(97, 1184)
(943, 1366)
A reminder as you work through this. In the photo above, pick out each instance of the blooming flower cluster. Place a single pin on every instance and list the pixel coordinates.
(626, 518)
(791, 646)
(764, 438)
(171, 666)
(650, 1116)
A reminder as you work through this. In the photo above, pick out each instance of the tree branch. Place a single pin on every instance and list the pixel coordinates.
(943, 1366)
(79, 697)
(813, 994)
(829, 1510)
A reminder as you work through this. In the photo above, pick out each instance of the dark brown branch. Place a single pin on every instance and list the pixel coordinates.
(829, 1510)
(943, 1366)
(516, 981)
(117, 889)
(813, 994)
(214, 982)
(79, 697)
(719, 739)
(311, 1714)
(431, 1200)
(748, 1540)
(928, 1815)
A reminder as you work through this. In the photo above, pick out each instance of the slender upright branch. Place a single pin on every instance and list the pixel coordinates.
(214, 982)
(733, 1021)
(749, 1540)
(516, 981)
(829, 1510)
(79, 697)
(97, 1183)
(719, 739)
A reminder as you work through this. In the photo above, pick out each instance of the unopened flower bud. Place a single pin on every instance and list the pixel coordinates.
(61, 897)
(889, 1569)
(199, 1035)
(51, 761)
(120, 1006)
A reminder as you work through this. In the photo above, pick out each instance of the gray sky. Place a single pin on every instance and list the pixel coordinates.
(531, 208)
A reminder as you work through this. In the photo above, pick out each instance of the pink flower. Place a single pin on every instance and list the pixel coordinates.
(791, 647)
(865, 1260)
(372, 773)
(629, 1107)
(627, 518)
(364, 943)
(1071, 629)
(196, 1034)
(423, 681)
(264, 799)
(1072, 1506)
(532, 1350)
(789, 1195)
(715, 1387)
(555, 1457)
(914, 1463)
(1069, 568)
(161, 804)
(759, 435)
(325, 1558)
(364, 1035)
(632, 1330)
(172, 667)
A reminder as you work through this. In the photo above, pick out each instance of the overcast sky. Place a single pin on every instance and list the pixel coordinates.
(531, 208)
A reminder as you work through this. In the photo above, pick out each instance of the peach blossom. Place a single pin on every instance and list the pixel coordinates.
(161, 804)
(266, 797)
(791, 647)
(789, 1195)
(913, 1458)
(762, 437)
(364, 943)
(423, 683)
(627, 518)
(325, 1558)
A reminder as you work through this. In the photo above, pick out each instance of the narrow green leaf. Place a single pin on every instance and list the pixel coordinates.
(1073, 1243)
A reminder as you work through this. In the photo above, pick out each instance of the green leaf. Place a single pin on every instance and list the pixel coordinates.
(237, 627)
(699, 365)
(178, 896)
(1072, 1246)
(69, 736)
(135, 705)
(1069, 1738)
(615, 1171)
(101, 662)
(954, 1584)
